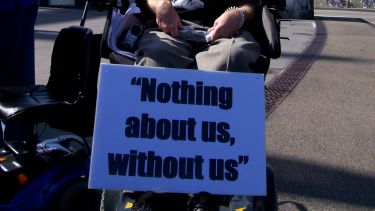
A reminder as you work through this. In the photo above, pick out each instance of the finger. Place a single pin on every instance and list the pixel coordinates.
(168, 31)
(164, 29)
(180, 26)
(214, 36)
(174, 31)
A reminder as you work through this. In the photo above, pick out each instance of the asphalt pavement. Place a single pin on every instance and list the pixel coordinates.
(321, 134)
(321, 137)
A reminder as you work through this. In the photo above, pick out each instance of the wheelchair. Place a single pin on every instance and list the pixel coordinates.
(52, 174)
(268, 34)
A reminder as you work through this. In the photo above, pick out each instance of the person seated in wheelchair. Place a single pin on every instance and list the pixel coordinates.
(230, 45)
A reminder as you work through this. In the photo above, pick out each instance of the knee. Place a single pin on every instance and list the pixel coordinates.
(248, 53)
(164, 56)
(151, 50)
(241, 59)
(153, 58)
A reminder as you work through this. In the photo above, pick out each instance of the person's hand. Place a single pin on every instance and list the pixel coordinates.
(167, 18)
(225, 26)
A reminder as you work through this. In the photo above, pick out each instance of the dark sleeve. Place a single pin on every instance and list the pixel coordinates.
(254, 2)
(146, 14)
(254, 26)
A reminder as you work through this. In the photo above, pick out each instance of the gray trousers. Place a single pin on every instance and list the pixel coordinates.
(158, 49)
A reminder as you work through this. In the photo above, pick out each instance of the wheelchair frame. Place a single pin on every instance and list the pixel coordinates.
(52, 174)
(271, 29)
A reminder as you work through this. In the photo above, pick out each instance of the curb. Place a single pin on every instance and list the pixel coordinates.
(347, 9)
(279, 88)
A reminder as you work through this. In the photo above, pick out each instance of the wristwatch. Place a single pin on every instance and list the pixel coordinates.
(240, 12)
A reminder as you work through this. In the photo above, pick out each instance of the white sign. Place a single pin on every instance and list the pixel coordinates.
(177, 130)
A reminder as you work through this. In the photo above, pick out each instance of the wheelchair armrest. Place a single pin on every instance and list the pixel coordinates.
(116, 58)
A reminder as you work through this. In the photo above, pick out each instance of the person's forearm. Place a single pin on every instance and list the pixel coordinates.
(166, 16)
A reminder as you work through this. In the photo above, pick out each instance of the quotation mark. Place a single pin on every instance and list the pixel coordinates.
(243, 159)
(136, 81)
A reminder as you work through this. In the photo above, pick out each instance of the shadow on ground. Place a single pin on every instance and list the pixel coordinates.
(61, 15)
(319, 181)
(330, 58)
(343, 19)
(46, 35)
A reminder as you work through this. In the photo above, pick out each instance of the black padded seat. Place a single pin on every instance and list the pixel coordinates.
(34, 103)
(69, 94)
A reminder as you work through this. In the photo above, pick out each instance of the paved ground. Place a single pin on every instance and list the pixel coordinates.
(320, 139)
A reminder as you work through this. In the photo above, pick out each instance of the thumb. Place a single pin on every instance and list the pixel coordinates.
(179, 25)
(213, 35)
